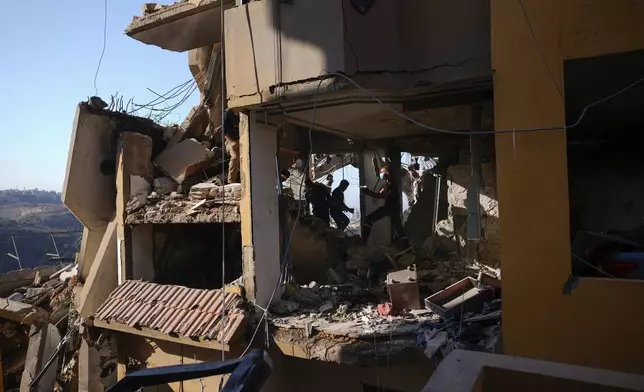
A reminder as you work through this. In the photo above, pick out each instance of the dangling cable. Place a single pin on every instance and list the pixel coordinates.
(222, 94)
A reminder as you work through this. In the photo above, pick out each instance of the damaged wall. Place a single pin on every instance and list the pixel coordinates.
(539, 321)
(452, 232)
(416, 42)
(191, 254)
(296, 374)
(136, 352)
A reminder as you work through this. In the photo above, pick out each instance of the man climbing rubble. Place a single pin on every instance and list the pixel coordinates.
(320, 199)
(338, 208)
(391, 195)
(230, 129)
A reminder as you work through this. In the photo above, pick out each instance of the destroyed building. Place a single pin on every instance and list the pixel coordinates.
(179, 266)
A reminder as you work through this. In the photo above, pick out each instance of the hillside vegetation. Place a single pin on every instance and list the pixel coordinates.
(30, 215)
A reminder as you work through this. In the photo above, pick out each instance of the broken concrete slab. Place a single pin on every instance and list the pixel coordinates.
(173, 135)
(21, 313)
(184, 159)
(196, 122)
(211, 191)
(43, 342)
(181, 26)
(102, 278)
(164, 185)
(18, 278)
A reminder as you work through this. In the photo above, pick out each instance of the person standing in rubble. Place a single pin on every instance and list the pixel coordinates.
(320, 199)
(230, 128)
(338, 208)
(391, 195)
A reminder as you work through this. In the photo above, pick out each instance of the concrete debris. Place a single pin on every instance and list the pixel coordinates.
(184, 159)
(285, 307)
(149, 8)
(32, 330)
(97, 103)
(177, 208)
(211, 191)
(164, 185)
(173, 135)
(135, 203)
(196, 122)
(328, 305)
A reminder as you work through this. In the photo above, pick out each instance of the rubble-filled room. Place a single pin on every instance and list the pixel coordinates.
(411, 271)
(605, 167)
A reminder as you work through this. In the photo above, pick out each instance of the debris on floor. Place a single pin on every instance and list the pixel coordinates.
(383, 297)
(37, 324)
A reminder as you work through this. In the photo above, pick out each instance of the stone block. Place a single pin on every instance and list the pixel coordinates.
(184, 159)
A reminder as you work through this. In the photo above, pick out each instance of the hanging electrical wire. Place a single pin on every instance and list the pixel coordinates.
(100, 60)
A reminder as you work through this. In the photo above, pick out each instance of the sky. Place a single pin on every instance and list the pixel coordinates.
(50, 53)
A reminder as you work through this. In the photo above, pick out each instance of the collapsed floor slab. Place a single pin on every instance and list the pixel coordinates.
(181, 26)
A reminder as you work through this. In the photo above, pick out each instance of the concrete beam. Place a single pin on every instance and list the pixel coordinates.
(102, 278)
(260, 224)
(87, 192)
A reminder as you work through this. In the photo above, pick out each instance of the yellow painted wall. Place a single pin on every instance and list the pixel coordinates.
(601, 324)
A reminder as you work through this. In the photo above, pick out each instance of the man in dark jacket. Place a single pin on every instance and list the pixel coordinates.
(338, 207)
(320, 199)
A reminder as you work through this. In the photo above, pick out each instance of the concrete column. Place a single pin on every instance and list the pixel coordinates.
(259, 208)
(394, 170)
(42, 344)
(134, 174)
(97, 366)
(102, 277)
(473, 189)
(381, 233)
(89, 246)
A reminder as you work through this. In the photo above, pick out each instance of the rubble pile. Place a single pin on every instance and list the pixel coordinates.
(350, 312)
(180, 178)
(33, 319)
(343, 310)
(179, 208)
